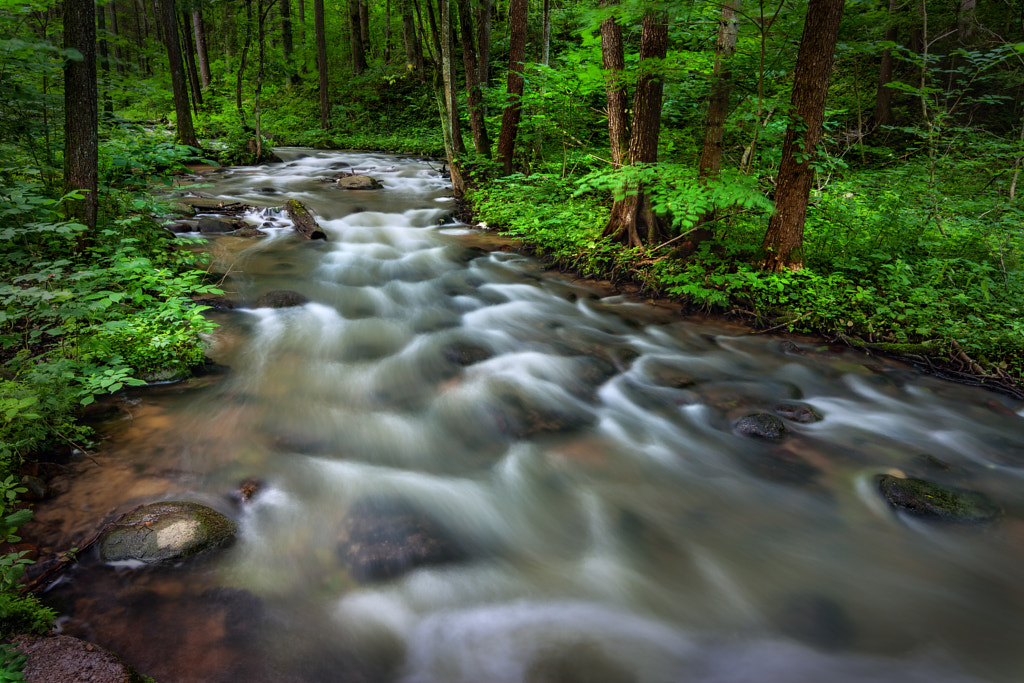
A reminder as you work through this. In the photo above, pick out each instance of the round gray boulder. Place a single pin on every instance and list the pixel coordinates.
(166, 531)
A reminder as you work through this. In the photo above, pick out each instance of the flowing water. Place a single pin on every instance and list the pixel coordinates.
(578, 449)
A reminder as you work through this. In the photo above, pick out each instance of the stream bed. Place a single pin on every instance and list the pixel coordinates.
(575, 464)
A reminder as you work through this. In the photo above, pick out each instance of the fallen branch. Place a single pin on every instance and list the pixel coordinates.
(303, 220)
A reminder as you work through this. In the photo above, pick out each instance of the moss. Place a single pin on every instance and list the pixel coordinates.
(927, 500)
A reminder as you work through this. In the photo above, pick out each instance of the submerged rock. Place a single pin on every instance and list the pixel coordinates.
(281, 298)
(166, 531)
(382, 538)
(761, 426)
(212, 224)
(927, 500)
(797, 412)
(359, 182)
(64, 659)
(249, 231)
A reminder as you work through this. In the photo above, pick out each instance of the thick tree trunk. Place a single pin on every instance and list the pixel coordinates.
(413, 50)
(514, 88)
(483, 41)
(451, 99)
(633, 221)
(783, 241)
(883, 98)
(614, 61)
(203, 57)
(356, 38)
(81, 114)
(721, 88)
(474, 96)
(321, 62)
(185, 133)
(364, 26)
(965, 21)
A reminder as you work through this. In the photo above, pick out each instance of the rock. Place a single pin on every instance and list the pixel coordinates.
(281, 298)
(178, 227)
(165, 375)
(181, 207)
(382, 538)
(247, 489)
(213, 224)
(35, 488)
(63, 659)
(359, 182)
(761, 426)
(249, 231)
(797, 412)
(220, 303)
(518, 416)
(927, 500)
(166, 531)
(466, 353)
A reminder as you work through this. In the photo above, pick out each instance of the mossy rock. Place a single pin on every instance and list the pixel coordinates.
(927, 500)
(761, 426)
(166, 531)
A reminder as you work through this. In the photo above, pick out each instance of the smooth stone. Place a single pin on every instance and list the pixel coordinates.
(927, 500)
(166, 531)
(359, 182)
(281, 298)
(761, 426)
(212, 225)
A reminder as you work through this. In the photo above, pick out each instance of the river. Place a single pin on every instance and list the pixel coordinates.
(581, 453)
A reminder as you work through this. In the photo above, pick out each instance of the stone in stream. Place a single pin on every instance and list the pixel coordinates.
(797, 412)
(249, 231)
(927, 500)
(382, 538)
(64, 659)
(162, 532)
(466, 353)
(761, 426)
(281, 298)
(215, 224)
(358, 182)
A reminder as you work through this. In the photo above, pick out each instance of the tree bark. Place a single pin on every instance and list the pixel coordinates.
(883, 97)
(474, 96)
(304, 222)
(483, 41)
(632, 220)
(104, 62)
(413, 50)
(451, 99)
(364, 26)
(242, 61)
(321, 62)
(514, 88)
(356, 38)
(115, 31)
(301, 26)
(721, 88)
(387, 31)
(81, 115)
(186, 135)
(287, 46)
(185, 39)
(783, 241)
(203, 57)
(614, 61)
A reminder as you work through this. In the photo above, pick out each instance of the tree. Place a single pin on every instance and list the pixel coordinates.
(321, 62)
(632, 220)
(356, 38)
(883, 98)
(514, 87)
(201, 54)
(614, 61)
(81, 113)
(186, 135)
(474, 96)
(783, 241)
(721, 87)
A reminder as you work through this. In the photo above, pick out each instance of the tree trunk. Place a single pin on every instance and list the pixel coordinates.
(883, 98)
(514, 88)
(387, 31)
(633, 221)
(965, 21)
(186, 135)
(614, 61)
(203, 57)
(364, 26)
(301, 26)
(783, 241)
(185, 39)
(356, 38)
(321, 62)
(545, 50)
(104, 62)
(413, 50)
(241, 64)
(115, 31)
(287, 45)
(448, 76)
(483, 40)
(303, 220)
(721, 87)
(473, 94)
(81, 115)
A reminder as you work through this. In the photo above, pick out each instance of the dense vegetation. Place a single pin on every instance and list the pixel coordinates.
(912, 242)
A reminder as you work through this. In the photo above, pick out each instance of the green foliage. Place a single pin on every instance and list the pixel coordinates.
(18, 614)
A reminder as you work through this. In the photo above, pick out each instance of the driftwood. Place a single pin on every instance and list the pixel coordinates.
(303, 220)
(65, 560)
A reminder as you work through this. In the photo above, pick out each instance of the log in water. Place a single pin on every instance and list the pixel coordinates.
(468, 470)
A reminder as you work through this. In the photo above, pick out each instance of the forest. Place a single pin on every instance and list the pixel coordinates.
(843, 169)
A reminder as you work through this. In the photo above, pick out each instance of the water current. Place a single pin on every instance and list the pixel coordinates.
(577, 451)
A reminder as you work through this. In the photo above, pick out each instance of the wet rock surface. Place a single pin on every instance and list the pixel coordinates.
(927, 500)
(797, 412)
(761, 426)
(359, 182)
(281, 298)
(383, 538)
(166, 531)
(217, 224)
(63, 659)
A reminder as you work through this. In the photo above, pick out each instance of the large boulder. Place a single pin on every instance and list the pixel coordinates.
(216, 224)
(359, 182)
(63, 659)
(382, 538)
(927, 500)
(166, 531)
